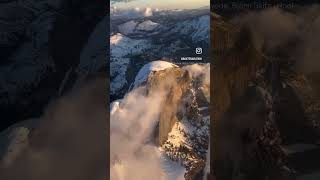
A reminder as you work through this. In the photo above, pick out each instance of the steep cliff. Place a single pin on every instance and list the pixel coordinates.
(167, 108)
(176, 81)
(183, 129)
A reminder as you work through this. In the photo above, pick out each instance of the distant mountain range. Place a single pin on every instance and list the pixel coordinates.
(168, 35)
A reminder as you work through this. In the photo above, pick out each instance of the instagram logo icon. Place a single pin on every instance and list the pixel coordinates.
(198, 50)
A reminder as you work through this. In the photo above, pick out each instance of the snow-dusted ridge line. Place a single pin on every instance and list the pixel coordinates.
(134, 27)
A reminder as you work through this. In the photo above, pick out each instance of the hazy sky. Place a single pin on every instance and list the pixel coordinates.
(167, 4)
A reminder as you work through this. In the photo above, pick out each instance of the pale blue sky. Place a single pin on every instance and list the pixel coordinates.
(164, 4)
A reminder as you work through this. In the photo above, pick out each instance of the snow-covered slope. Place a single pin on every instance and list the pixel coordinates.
(144, 72)
(187, 141)
(118, 70)
(198, 29)
(121, 45)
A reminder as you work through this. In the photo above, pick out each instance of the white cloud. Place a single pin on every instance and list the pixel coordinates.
(148, 12)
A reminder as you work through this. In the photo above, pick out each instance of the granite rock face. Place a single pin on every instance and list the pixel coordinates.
(181, 132)
(178, 81)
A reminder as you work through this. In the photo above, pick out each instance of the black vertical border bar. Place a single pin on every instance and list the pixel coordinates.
(211, 95)
(107, 37)
(209, 176)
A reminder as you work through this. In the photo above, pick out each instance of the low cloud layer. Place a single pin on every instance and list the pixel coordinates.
(199, 71)
(133, 154)
(148, 12)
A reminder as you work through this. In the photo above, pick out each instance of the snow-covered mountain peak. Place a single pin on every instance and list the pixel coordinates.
(144, 72)
(128, 27)
(147, 26)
